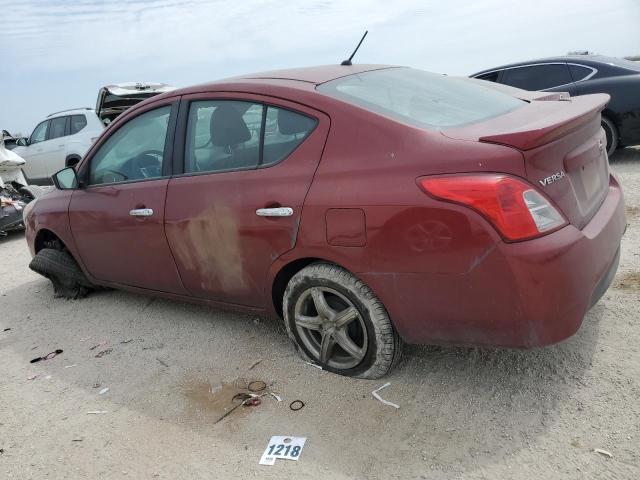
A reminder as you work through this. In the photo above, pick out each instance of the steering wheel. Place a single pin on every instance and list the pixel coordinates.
(147, 164)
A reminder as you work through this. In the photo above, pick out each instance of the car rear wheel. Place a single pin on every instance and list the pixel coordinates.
(611, 132)
(336, 321)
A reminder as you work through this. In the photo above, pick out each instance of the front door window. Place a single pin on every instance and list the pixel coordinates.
(39, 133)
(135, 152)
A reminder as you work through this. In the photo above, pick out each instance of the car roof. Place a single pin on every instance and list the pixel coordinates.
(316, 75)
(71, 111)
(305, 78)
(589, 60)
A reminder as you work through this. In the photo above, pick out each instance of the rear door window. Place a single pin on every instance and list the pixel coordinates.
(78, 122)
(57, 127)
(537, 77)
(223, 135)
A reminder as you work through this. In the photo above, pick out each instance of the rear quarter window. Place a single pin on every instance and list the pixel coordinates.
(421, 99)
(78, 122)
(284, 131)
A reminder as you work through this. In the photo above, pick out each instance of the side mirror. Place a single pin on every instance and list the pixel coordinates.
(22, 142)
(66, 179)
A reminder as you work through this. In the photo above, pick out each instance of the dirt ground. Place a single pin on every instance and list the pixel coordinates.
(464, 412)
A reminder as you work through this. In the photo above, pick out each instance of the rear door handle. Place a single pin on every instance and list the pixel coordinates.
(275, 212)
(141, 212)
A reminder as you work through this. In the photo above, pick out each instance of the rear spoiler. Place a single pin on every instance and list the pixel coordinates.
(549, 124)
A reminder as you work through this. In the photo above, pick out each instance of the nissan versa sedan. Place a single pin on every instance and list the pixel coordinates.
(366, 205)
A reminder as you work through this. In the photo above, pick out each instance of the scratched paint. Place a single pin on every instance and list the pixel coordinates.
(209, 248)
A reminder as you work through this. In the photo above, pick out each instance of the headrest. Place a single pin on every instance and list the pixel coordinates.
(290, 123)
(227, 126)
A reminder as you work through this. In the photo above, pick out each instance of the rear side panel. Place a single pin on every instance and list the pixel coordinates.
(441, 270)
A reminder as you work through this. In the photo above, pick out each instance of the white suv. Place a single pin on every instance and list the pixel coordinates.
(64, 137)
(59, 141)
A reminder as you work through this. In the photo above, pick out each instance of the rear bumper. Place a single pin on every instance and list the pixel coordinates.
(523, 294)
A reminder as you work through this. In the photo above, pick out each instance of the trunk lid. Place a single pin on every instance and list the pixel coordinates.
(115, 99)
(563, 147)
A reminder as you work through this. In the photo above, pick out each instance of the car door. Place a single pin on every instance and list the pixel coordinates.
(247, 162)
(54, 146)
(34, 153)
(546, 76)
(117, 216)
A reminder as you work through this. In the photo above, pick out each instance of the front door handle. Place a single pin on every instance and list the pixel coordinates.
(141, 212)
(275, 212)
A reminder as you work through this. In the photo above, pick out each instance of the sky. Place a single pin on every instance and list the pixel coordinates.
(58, 53)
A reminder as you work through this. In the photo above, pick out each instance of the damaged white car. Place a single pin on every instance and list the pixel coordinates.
(15, 193)
(115, 99)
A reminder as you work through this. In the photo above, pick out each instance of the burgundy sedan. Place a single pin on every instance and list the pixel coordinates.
(366, 205)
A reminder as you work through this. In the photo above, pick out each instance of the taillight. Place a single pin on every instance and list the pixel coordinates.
(515, 208)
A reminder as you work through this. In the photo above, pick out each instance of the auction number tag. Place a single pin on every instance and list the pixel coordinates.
(288, 448)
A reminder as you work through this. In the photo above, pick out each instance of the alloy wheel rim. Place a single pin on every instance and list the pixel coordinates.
(331, 328)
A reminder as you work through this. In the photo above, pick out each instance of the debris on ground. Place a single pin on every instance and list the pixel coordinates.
(6, 329)
(314, 365)
(48, 356)
(386, 402)
(127, 341)
(255, 365)
(97, 385)
(71, 366)
(102, 353)
(76, 439)
(256, 386)
(277, 397)
(101, 344)
(96, 412)
(103, 391)
(284, 447)
(296, 405)
(162, 362)
(33, 377)
(603, 452)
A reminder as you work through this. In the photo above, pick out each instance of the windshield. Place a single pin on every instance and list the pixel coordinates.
(420, 98)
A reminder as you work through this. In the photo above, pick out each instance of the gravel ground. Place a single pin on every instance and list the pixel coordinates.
(465, 412)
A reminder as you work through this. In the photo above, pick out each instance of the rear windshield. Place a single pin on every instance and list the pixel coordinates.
(421, 99)
(623, 63)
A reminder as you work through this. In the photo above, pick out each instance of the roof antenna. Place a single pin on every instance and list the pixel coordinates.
(348, 61)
